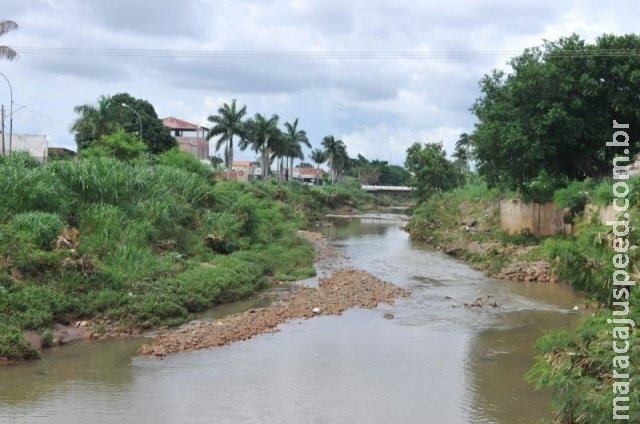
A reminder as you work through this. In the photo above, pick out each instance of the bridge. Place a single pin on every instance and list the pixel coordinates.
(386, 189)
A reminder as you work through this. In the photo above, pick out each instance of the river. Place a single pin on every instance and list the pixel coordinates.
(434, 362)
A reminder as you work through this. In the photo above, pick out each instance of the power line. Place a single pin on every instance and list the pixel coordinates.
(292, 54)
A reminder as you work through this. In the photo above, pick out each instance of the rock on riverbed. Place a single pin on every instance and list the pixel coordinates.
(344, 289)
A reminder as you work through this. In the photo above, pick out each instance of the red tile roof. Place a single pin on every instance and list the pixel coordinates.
(179, 124)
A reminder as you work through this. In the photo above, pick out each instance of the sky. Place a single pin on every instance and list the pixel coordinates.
(377, 74)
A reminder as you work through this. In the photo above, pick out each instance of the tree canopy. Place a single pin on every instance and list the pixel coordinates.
(7, 52)
(430, 170)
(549, 118)
(227, 123)
(109, 115)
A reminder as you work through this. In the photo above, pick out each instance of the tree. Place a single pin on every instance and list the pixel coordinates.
(93, 122)
(394, 175)
(264, 137)
(462, 153)
(295, 138)
(336, 154)
(318, 156)
(552, 115)
(430, 170)
(109, 115)
(227, 124)
(7, 52)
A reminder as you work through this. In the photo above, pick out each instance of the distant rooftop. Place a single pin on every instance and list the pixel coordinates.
(179, 124)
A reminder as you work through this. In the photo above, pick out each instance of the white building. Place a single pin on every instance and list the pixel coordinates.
(35, 144)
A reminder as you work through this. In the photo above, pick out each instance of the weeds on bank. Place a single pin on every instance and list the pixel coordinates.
(143, 243)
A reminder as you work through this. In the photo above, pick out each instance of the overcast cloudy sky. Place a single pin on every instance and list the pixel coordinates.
(377, 104)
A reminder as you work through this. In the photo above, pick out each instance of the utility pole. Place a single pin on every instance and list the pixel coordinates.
(2, 113)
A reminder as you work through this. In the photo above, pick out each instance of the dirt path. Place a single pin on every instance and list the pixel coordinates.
(344, 289)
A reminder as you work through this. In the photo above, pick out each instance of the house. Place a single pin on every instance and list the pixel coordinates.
(244, 170)
(307, 175)
(191, 138)
(34, 144)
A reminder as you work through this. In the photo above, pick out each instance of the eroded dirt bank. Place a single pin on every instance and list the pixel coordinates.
(344, 289)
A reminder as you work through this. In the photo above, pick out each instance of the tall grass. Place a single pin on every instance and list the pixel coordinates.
(143, 256)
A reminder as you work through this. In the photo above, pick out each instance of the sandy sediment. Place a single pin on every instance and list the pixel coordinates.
(343, 290)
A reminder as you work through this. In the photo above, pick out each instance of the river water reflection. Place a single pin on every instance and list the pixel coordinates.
(435, 362)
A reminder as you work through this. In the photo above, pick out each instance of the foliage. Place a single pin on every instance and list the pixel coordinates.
(27, 186)
(121, 111)
(336, 155)
(7, 52)
(575, 196)
(13, 345)
(578, 367)
(430, 170)
(119, 144)
(550, 117)
(264, 137)
(179, 159)
(141, 254)
(376, 172)
(462, 153)
(42, 228)
(227, 124)
(294, 139)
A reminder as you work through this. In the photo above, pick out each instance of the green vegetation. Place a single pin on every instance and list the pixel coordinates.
(554, 113)
(430, 170)
(227, 124)
(121, 112)
(577, 366)
(143, 241)
(7, 52)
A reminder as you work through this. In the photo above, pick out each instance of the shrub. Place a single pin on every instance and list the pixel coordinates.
(14, 346)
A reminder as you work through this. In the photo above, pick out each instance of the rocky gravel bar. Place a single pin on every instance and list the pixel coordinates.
(344, 289)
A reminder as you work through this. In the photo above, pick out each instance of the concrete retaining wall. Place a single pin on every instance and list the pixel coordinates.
(543, 219)
(540, 219)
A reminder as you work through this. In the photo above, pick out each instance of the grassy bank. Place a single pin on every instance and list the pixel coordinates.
(131, 245)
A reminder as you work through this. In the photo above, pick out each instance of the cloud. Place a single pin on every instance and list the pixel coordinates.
(378, 105)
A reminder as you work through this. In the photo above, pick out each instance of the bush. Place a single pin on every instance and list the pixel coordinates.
(14, 346)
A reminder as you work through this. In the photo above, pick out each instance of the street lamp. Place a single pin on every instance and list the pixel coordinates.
(137, 114)
(10, 114)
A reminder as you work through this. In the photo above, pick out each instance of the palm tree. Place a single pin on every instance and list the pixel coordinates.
(295, 139)
(318, 157)
(262, 135)
(336, 154)
(93, 122)
(7, 52)
(227, 123)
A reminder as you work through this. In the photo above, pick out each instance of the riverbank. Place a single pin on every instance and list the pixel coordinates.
(344, 289)
(469, 229)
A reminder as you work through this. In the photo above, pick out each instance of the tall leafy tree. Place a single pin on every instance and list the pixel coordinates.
(94, 122)
(550, 117)
(430, 170)
(227, 123)
(318, 156)
(462, 152)
(263, 135)
(295, 139)
(336, 153)
(109, 115)
(7, 52)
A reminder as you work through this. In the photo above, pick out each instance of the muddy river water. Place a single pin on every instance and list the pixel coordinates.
(434, 362)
